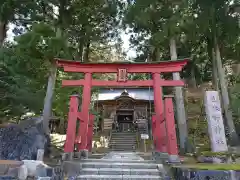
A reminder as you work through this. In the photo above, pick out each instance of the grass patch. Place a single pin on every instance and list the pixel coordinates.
(203, 166)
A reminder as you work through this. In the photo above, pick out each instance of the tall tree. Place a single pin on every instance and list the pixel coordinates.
(217, 24)
(156, 23)
(91, 20)
(16, 12)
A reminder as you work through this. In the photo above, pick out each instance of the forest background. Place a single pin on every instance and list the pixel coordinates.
(207, 32)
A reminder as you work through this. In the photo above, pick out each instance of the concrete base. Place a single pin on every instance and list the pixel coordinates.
(164, 156)
(160, 157)
(77, 155)
(67, 156)
(72, 168)
(84, 154)
(174, 159)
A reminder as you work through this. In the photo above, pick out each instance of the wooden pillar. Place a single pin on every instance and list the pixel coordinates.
(86, 100)
(154, 133)
(163, 136)
(171, 129)
(90, 132)
(71, 125)
(159, 111)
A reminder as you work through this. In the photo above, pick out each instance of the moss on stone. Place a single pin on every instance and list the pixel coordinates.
(202, 166)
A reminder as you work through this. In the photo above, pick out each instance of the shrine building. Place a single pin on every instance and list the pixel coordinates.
(124, 106)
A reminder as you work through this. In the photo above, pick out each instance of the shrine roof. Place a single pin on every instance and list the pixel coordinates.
(135, 93)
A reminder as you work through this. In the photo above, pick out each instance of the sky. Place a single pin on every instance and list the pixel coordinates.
(131, 53)
(10, 34)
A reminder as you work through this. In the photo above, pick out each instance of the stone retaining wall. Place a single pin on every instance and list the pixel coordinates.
(186, 174)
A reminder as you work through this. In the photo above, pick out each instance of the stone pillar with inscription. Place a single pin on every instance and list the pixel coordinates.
(215, 122)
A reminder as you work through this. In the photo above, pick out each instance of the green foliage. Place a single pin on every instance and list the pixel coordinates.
(50, 29)
(20, 91)
(235, 100)
(203, 166)
(89, 31)
(218, 154)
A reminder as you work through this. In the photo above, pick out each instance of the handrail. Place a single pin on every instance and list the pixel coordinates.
(138, 139)
(110, 137)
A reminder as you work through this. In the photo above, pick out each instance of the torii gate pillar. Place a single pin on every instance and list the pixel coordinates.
(160, 130)
(86, 100)
(171, 139)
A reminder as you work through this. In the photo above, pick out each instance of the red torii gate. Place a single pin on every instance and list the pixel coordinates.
(163, 124)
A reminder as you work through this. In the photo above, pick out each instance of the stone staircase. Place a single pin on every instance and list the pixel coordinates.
(123, 141)
(116, 166)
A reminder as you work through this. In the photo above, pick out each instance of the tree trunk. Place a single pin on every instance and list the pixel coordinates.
(181, 114)
(79, 55)
(212, 57)
(156, 54)
(3, 32)
(86, 52)
(225, 97)
(193, 82)
(47, 110)
(215, 80)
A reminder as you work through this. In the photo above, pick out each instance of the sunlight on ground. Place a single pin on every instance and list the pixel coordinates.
(98, 142)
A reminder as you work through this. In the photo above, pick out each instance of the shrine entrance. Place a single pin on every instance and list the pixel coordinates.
(125, 120)
(163, 123)
(124, 112)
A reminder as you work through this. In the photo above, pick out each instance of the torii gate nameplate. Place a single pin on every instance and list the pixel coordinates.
(122, 75)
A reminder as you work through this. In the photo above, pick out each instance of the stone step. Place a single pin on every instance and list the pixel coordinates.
(118, 137)
(96, 156)
(120, 161)
(123, 150)
(119, 171)
(123, 134)
(130, 165)
(122, 146)
(121, 142)
(123, 139)
(76, 167)
(118, 177)
(130, 136)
